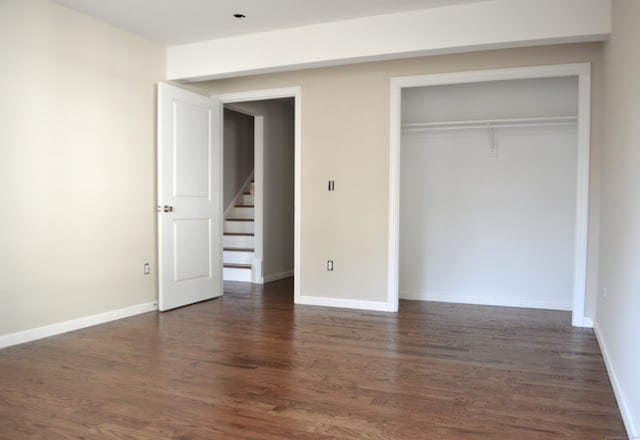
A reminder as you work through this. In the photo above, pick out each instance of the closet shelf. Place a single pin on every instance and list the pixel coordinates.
(491, 123)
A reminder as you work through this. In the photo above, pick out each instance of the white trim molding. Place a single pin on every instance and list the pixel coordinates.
(631, 421)
(258, 197)
(580, 70)
(75, 324)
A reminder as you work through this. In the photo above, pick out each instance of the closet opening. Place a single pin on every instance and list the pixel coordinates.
(489, 188)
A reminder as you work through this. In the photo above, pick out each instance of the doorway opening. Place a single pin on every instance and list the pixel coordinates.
(261, 189)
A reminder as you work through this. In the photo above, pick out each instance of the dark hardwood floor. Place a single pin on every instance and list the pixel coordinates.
(251, 365)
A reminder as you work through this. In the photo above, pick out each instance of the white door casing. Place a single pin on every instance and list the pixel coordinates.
(189, 198)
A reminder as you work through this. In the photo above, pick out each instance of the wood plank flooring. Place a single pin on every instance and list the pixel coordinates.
(251, 365)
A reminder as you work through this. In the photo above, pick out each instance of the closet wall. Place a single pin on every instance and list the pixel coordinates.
(488, 193)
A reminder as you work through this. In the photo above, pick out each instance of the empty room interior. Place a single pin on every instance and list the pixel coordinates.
(408, 219)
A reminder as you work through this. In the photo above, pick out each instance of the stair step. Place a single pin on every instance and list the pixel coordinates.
(238, 266)
(242, 212)
(231, 257)
(246, 199)
(238, 240)
(237, 274)
(239, 226)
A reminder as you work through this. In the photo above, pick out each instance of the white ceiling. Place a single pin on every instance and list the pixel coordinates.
(173, 22)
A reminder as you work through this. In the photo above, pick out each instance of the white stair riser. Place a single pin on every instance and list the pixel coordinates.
(238, 212)
(246, 199)
(237, 274)
(237, 257)
(231, 226)
(239, 241)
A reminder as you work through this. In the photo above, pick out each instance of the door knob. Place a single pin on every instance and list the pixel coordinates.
(165, 208)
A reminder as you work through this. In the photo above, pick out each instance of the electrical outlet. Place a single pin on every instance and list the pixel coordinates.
(332, 185)
(330, 265)
(147, 269)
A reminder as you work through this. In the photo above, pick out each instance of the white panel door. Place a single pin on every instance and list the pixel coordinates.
(189, 202)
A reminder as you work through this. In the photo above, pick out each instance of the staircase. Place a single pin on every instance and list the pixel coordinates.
(238, 240)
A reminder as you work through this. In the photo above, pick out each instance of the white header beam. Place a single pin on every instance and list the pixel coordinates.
(490, 24)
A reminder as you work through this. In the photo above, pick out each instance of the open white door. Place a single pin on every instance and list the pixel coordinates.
(189, 197)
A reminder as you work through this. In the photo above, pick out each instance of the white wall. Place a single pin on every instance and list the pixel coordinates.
(489, 24)
(237, 153)
(489, 230)
(522, 98)
(77, 166)
(278, 184)
(617, 316)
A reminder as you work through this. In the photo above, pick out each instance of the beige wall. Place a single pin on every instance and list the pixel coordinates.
(77, 161)
(617, 317)
(345, 137)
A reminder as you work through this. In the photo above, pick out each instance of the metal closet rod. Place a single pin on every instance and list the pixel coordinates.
(491, 123)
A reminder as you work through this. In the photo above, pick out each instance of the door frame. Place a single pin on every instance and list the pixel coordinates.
(580, 70)
(265, 94)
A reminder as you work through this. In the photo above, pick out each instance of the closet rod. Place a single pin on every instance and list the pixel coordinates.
(492, 123)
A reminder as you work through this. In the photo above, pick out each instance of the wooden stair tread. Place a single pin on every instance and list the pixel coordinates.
(238, 266)
(245, 206)
(240, 220)
(247, 234)
(232, 249)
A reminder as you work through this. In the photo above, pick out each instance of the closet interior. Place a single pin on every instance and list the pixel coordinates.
(488, 192)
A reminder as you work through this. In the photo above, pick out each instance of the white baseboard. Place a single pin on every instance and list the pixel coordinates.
(587, 322)
(277, 276)
(632, 426)
(487, 301)
(256, 273)
(74, 324)
(343, 303)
